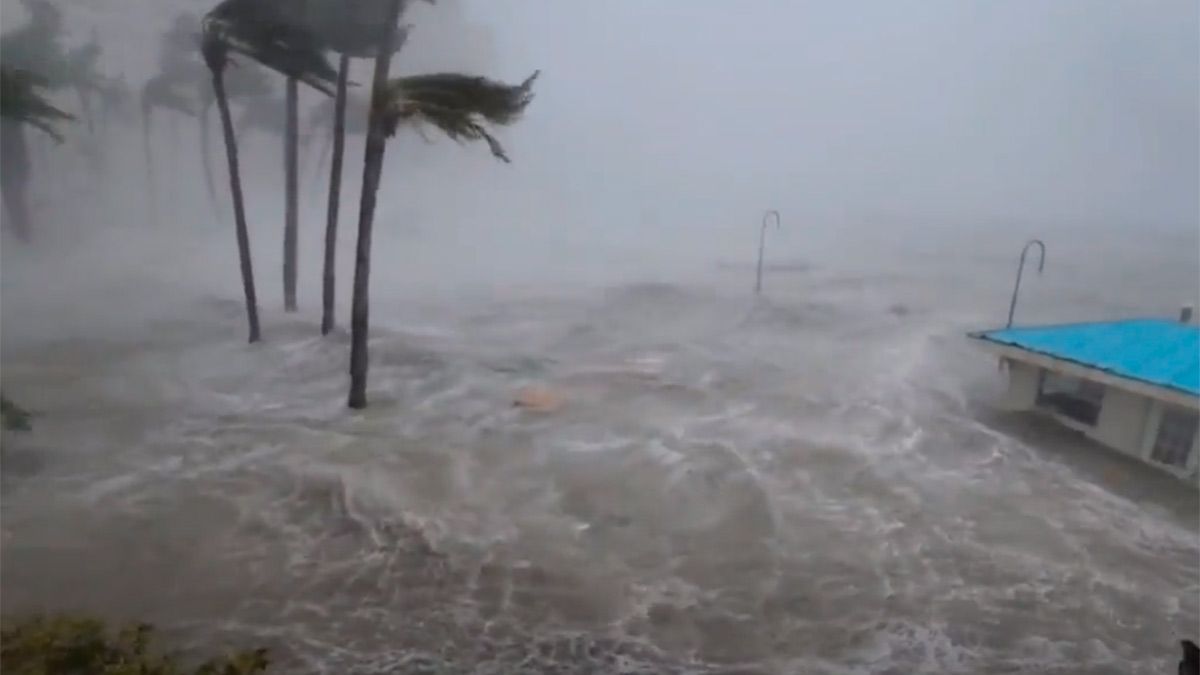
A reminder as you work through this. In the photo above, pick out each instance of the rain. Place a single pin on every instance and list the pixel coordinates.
(624, 337)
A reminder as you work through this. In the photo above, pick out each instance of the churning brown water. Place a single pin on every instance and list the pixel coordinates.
(811, 482)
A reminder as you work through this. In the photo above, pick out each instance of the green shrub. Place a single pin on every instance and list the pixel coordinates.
(66, 645)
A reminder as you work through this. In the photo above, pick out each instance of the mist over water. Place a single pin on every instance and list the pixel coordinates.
(816, 480)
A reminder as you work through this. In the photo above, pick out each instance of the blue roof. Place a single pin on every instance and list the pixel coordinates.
(1155, 351)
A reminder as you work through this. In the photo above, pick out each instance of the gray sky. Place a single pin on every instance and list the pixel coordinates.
(667, 125)
(1081, 111)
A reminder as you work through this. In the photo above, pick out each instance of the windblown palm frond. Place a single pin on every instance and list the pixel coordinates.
(178, 45)
(263, 31)
(457, 104)
(247, 82)
(38, 44)
(352, 27)
(21, 99)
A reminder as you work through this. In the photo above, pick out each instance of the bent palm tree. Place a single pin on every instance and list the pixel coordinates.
(22, 103)
(354, 29)
(246, 83)
(459, 105)
(261, 31)
(271, 33)
(38, 46)
(216, 56)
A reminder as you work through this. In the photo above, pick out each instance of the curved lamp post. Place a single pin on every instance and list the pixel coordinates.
(762, 240)
(1012, 307)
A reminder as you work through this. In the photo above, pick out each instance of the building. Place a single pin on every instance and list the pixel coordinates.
(1131, 385)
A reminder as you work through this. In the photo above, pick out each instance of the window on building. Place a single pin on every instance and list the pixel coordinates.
(1071, 397)
(1176, 434)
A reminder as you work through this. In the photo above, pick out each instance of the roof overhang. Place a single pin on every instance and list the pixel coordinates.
(1074, 369)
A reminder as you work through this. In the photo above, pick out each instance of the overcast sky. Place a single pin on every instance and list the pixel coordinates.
(677, 116)
(1074, 110)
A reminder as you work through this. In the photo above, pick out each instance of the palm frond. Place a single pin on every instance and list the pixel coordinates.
(247, 80)
(38, 46)
(457, 104)
(352, 27)
(21, 99)
(178, 45)
(263, 31)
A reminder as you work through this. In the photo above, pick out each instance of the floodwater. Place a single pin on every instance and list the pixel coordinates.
(814, 481)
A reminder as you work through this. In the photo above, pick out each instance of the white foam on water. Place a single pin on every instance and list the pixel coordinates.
(803, 488)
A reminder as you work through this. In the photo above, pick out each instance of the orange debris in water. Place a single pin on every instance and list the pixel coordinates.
(538, 399)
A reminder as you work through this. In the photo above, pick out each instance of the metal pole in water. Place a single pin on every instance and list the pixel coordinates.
(762, 240)
(1012, 306)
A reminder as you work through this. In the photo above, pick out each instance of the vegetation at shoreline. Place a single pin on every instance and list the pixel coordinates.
(74, 645)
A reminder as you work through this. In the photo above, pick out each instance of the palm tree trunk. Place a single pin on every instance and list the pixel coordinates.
(372, 168)
(291, 225)
(322, 155)
(239, 210)
(14, 177)
(206, 160)
(328, 277)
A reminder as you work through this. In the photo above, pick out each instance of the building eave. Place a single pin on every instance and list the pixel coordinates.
(1075, 369)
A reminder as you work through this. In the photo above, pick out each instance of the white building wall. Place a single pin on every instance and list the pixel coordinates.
(1023, 382)
(1128, 421)
(1122, 422)
(1150, 430)
(1150, 436)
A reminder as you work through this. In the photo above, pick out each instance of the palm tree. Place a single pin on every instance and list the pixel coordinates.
(22, 103)
(354, 29)
(38, 47)
(272, 33)
(328, 273)
(458, 105)
(216, 57)
(82, 75)
(247, 83)
(262, 31)
(291, 215)
(178, 62)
